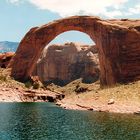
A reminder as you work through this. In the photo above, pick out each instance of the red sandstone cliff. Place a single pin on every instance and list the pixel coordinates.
(67, 62)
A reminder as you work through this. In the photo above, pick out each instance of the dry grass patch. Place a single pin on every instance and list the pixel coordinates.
(7, 81)
(120, 93)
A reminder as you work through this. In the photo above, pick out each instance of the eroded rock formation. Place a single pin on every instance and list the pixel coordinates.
(118, 42)
(64, 63)
(5, 59)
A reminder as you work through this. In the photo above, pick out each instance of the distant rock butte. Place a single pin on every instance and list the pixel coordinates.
(7, 46)
(118, 42)
(64, 63)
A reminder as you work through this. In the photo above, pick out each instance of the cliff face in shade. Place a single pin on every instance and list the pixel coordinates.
(118, 42)
(5, 59)
(67, 62)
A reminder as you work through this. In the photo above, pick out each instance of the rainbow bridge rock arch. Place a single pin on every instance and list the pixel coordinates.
(118, 42)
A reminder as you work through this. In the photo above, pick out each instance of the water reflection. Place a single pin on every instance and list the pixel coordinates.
(45, 121)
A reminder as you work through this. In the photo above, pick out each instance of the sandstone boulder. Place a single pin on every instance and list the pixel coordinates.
(67, 62)
(111, 101)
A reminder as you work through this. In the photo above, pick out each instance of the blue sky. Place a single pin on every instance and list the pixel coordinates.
(18, 16)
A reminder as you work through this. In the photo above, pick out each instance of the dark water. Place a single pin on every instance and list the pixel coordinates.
(45, 121)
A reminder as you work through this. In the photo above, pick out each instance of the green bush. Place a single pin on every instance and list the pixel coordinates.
(28, 84)
(36, 85)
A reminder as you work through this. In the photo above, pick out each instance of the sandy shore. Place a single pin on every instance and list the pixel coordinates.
(98, 104)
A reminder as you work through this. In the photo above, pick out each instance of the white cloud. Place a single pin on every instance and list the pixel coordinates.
(135, 10)
(76, 7)
(112, 14)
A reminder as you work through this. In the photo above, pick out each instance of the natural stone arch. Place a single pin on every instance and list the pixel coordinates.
(110, 36)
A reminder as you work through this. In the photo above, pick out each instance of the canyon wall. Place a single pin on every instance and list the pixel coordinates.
(64, 63)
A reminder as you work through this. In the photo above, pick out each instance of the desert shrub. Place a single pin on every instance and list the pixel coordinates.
(36, 85)
(28, 84)
(80, 89)
(3, 78)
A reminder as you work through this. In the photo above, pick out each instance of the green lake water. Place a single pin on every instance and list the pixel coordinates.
(46, 121)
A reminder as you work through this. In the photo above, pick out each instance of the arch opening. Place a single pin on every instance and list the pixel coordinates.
(71, 55)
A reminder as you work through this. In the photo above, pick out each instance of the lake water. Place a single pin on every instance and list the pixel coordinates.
(46, 121)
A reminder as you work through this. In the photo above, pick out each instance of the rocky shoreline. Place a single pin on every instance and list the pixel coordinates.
(76, 103)
(28, 95)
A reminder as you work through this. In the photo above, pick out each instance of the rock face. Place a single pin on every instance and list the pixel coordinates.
(5, 59)
(64, 63)
(118, 42)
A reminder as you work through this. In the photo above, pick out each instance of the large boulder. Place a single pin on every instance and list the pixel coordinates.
(67, 62)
